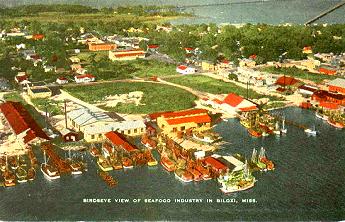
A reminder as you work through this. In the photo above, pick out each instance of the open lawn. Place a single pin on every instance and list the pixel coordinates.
(156, 98)
(210, 85)
(297, 73)
(104, 69)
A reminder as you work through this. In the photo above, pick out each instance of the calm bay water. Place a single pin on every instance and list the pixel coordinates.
(271, 11)
(308, 184)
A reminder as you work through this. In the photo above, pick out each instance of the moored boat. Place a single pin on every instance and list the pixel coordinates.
(49, 171)
(21, 175)
(167, 164)
(31, 174)
(254, 133)
(104, 164)
(184, 175)
(95, 152)
(76, 168)
(335, 124)
(127, 163)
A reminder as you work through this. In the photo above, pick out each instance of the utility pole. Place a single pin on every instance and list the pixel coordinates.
(65, 109)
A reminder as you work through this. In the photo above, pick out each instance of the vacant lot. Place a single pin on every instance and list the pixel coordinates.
(157, 97)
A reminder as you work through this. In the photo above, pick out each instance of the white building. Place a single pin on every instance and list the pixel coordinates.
(84, 78)
(61, 80)
(185, 69)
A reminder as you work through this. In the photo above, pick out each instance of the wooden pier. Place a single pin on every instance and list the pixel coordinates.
(60, 164)
(340, 4)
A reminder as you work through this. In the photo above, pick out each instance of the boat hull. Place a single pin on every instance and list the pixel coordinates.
(233, 190)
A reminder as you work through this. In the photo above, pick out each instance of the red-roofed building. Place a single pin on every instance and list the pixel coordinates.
(253, 56)
(325, 96)
(286, 81)
(185, 69)
(22, 123)
(153, 46)
(215, 164)
(327, 71)
(307, 50)
(234, 103)
(127, 54)
(172, 122)
(22, 79)
(84, 78)
(119, 141)
(37, 36)
(102, 46)
(62, 80)
(328, 105)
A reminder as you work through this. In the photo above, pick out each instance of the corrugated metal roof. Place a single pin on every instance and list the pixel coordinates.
(84, 117)
(101, 127)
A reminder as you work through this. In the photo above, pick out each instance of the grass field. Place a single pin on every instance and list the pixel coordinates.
(210, 85)
(297, 73)
(156, 97)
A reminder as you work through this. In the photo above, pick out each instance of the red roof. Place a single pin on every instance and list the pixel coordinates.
(37, 36)
(119, 140)
(184, 113)
(154, 116)
(90, 76)
(252, 56)
(327, 71)
(20, 121)
(308, 88)
(154, 46)
(287, 81)
(130, 54)
(188, 48)
(233, 100)
(225, 61)
(250, 108)
(182, 67)
(194, 119)
(215, 163)
(307, 48)
(62, 78)
(329, 105)
(21, 78)
(217, 101)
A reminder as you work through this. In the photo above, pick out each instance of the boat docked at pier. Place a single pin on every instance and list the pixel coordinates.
(95, 152)
(321, 116)
(184, 175)
(127, 163)
(254, 133)
(237, 181)
(49, 171)
(168, 164)
(21, 175)
(104, 164)
(31, 174)
(335, 124)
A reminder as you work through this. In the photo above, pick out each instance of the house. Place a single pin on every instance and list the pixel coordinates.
(37, 36)
(22, 124)
(69, 135)
(75, 66)
(74, 59)
(94, 124)
(126, 54)
(49, 68)
(61, 80)
(247, 63)
(21, 78)
(337, 85)
(39, 92)
(307, 50)
(84, 78)
(208, 66)
(172, 122)
(152, 48)
(234, 103)
(185, 69)
(120, 142)
(102, 46)
(286, 81)
(81, 71)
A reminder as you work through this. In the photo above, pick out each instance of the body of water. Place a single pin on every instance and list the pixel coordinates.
(308, 184)
(228, 11)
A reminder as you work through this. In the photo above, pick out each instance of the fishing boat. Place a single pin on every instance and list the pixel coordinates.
(104, 164)
(205, 173)
(276, 130)
(21, 175)
(167, 164)
(9, 178)
(127, 163)
(184, 175)
(237, 181)
(152, 162)
(95, 152)
(283, 130)
(335, 124)
(197, 176)
(320, 116)
(254, 133)
(262, 162)
(76, 168)
(311, 132)
(49, 171)
(117, 165)
(31, 174)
